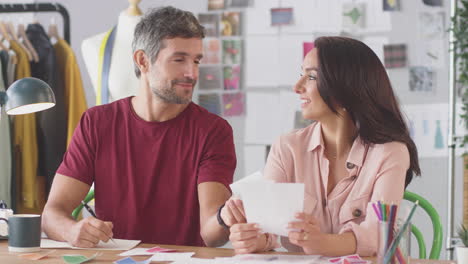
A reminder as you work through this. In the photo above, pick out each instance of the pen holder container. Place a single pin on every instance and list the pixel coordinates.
(398, 251)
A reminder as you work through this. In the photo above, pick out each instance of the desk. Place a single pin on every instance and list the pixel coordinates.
(109, 256)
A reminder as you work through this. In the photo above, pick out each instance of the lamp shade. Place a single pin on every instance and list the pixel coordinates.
(28, 95)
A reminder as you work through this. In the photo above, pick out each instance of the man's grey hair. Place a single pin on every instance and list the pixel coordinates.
(160, 24)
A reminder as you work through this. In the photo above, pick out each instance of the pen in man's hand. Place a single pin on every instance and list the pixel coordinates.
(90, 210)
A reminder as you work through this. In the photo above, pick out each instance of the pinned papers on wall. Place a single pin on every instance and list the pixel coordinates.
(313, 16)
(422, 79)
(272, 205)
(431, 25)
(129, 260)
(428, 127)
(118, 244)
(263, 65)
(281, 16)
(395, 55)
(78, 259)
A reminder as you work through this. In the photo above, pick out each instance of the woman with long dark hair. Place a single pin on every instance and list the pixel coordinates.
(358, 151)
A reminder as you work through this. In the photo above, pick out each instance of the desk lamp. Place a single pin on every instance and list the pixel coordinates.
(27, 95)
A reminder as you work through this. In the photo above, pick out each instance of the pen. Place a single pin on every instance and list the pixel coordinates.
(90, 210)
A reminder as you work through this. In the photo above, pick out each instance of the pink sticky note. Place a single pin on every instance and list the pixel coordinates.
(160, 249)
(355, 256)
(345, 261)
(36, 256)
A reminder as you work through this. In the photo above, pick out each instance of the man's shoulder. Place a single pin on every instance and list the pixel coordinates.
(107, 110)
(206, 118)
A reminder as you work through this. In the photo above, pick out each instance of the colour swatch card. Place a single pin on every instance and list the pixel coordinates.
(211, 24)
(395, 55)
(232, 51)
(233, 104)
(129, 260)
(210, 102)
(422, 79)
(231, 77)
(211, 51)
(230, 24)
(78, 259)
(210, 78)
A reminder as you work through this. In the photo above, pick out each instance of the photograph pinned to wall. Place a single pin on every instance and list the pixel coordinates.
(211, 51)
(238, 3)
(231, 76)
(210, 23)
(210, 102)
(281, 16)
(422, 79)
(306, 47)
(391, 5)
(233, 104)
(431, 25)
(232, 51)
(210, 78)
(354, 16)
(432, 2)
(395, 55)
(215, 4)
(230, 24)
(300, 122)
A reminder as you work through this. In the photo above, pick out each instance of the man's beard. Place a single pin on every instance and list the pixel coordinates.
(168, 94)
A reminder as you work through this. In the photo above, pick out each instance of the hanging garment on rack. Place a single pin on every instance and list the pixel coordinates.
(25, 146)
(105, 58)
(5, 150)
(51, 124)
(11, 69)
(4, 57)
(75, 100)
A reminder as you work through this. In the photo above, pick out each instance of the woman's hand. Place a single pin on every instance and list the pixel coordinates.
(233, 212)
(246, 238)
(305, 232)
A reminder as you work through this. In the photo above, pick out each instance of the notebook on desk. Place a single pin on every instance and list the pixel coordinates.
(120, 244)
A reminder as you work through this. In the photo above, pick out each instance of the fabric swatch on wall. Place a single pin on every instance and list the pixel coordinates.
(395, 55)
(233, 104)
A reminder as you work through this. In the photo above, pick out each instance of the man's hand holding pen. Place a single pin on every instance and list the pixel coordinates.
(89, 231)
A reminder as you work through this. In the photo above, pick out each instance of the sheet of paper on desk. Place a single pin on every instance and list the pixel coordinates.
(182, 256)
(272, 205)
(120, 244)
(269, 258)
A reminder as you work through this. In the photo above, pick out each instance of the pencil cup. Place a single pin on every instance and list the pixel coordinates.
(399, 253)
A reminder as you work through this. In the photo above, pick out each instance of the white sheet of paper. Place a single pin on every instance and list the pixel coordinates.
(261, 258)
(120, 244)
(272, 205)
(173, 256)
(136, 252)
(256, 177)
(290, 56)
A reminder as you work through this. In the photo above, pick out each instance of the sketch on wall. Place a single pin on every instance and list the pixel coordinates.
(395, 55)
(354, 16)
(428, 126)
(422, 79)
(431, 25)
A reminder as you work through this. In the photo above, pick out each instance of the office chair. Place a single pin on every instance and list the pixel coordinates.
(436, 227)
(88, 198)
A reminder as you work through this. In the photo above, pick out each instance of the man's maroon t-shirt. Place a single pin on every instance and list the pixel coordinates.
(146, 174)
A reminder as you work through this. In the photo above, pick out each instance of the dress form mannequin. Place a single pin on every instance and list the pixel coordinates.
(122, 79)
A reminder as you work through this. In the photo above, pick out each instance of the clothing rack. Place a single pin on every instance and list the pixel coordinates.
(41, 7)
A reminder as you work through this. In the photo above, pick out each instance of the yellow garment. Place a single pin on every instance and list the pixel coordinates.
(75, 100)
(25, 145)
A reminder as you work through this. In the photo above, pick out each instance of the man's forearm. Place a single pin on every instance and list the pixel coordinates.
(213, 234)
(56, 223)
